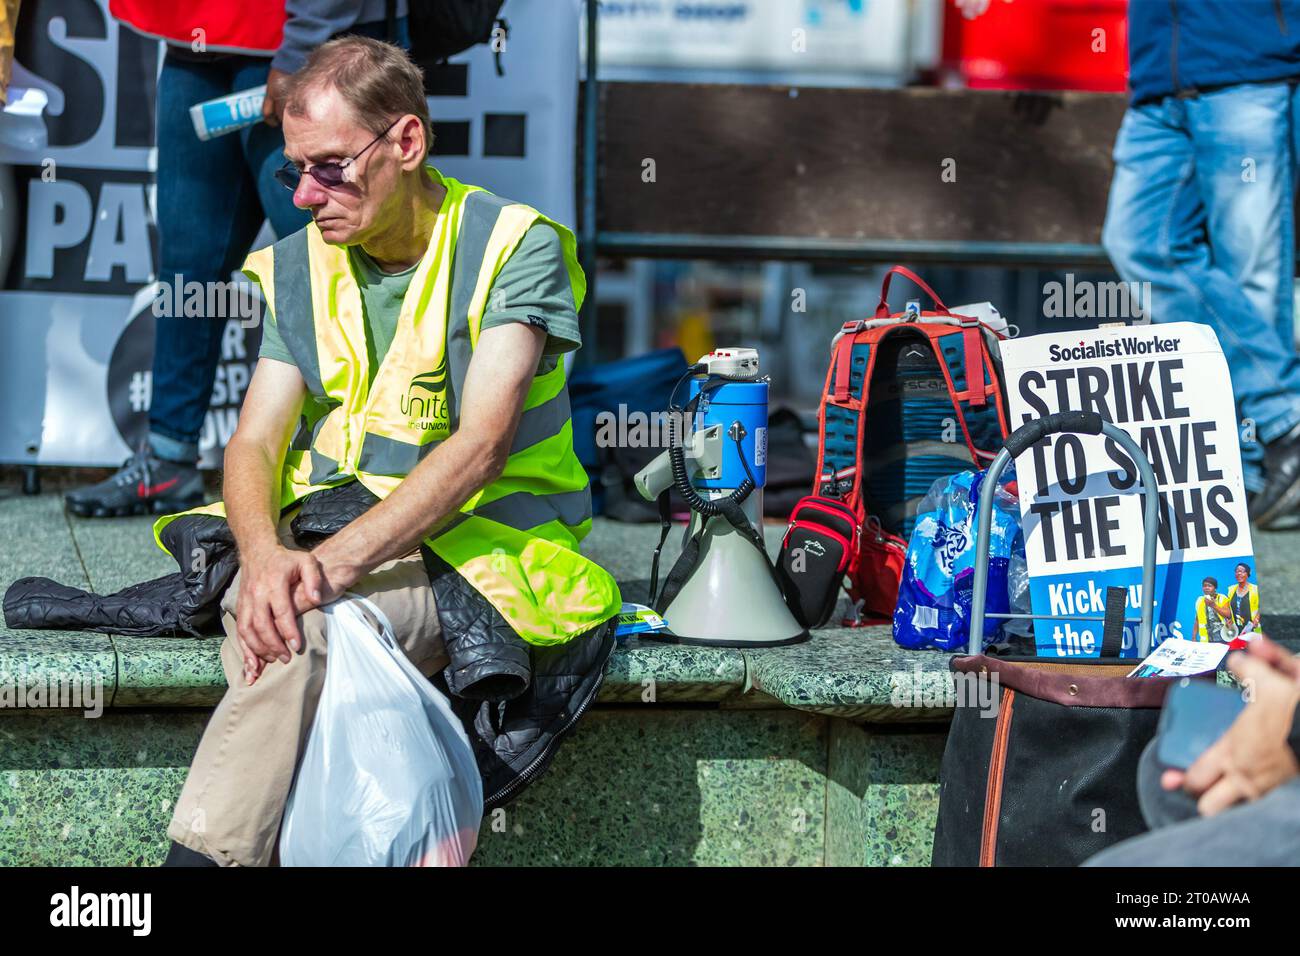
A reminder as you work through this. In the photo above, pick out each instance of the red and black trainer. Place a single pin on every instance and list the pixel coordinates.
(145, 484)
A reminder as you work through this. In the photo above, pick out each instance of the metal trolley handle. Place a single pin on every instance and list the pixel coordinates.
(1084, 423)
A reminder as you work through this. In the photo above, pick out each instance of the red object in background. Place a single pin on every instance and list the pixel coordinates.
(237, 26)
(1039, 45)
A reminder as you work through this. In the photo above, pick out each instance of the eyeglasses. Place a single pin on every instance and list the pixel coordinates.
(329, 175)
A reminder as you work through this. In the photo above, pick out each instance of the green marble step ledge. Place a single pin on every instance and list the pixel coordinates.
(856, 674)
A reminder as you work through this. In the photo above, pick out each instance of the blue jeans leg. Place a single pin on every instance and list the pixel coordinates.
(1211, 233)
(1246, 165)
(209, 211)
(262, 147)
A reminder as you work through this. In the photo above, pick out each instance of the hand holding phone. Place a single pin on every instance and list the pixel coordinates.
(1197, 713)
(1255, 755)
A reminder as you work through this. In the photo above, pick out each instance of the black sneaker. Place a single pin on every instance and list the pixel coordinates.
(178, 855)
(1281, 493)
(145, 484)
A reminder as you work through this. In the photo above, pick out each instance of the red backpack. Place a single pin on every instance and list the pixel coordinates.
(899, 412)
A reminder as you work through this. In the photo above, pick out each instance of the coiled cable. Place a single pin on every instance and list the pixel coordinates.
(677, 450)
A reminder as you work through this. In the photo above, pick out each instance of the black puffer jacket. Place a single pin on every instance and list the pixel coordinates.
(516, 700)
(187, 602)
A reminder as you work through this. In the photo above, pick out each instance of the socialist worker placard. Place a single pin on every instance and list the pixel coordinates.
(1081, 499)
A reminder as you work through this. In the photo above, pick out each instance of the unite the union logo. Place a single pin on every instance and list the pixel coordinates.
(424, 403)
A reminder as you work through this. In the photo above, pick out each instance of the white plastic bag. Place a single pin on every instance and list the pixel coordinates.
(389, 777)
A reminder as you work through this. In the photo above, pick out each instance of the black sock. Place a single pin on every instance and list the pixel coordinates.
(180, 855)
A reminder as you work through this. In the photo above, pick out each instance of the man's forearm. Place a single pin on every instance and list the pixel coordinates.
(251, 489)
(309, 24)
(496, 386)
(430, 495)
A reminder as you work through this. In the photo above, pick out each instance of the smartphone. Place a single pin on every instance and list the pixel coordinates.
(1197, 712)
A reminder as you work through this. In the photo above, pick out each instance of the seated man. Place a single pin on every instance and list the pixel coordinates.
(413, 339)
(1239, 803)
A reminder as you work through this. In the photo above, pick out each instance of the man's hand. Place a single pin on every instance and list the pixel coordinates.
(266, 613)
(1253, 756)
(273, 104)
(340, 572)
(1275, 656)
(315, 578)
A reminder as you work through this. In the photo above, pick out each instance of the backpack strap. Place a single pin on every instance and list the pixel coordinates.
(882, 310)
(975, 394)
(843, 361)
(971, 339)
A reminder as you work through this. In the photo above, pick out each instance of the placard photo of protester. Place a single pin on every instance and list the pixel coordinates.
(1243, 598)
(1213, 613)
(1231, 616)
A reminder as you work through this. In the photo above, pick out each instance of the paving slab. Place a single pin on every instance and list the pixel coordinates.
(1278, 556)
(168, 671)
(100, 792)
(38, 542)
(857, 673)
(673, 787)
(152, 671)
(119, 552)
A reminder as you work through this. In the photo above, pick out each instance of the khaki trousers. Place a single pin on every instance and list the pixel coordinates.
(234, 796)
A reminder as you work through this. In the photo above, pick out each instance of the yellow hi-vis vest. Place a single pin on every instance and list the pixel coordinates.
(515, 540)
(1202, 630)
(1250, 589)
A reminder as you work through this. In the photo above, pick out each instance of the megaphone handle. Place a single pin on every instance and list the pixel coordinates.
(680, 571)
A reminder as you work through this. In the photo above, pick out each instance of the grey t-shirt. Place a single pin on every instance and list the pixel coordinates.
(532, 287)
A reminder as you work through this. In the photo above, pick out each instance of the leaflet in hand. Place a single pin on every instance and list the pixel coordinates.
(225, 114)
